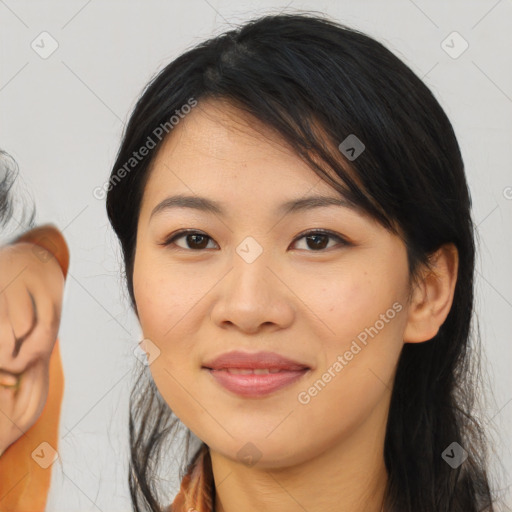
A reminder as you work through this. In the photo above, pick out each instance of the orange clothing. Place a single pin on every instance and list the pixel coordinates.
(197, 491)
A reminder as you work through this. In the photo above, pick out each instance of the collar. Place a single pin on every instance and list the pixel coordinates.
(197, 492)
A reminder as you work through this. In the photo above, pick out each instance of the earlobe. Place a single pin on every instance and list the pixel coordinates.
(433, 296)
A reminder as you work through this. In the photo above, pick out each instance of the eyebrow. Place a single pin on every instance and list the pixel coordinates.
(210, 206)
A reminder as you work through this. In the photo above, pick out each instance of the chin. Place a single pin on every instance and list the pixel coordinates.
(258, 450)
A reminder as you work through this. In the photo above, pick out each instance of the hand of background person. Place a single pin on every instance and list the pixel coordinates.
(31, 290)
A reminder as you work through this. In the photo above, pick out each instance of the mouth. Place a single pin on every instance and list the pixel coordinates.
(255, 383)
(248, 371)
(255, 375)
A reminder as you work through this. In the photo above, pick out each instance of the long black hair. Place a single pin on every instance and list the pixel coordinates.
(318, 82)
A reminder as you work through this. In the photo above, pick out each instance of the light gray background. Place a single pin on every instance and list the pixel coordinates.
(62, 117)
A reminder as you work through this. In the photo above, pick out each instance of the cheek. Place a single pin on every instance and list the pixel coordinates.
(350, 300)
(170, 314)
(161, 302)
(163, 297)
(357, 355)
(147, 290)
(361, 316)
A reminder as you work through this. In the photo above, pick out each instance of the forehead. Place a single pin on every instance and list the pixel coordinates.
(217, 130)
(219, 148)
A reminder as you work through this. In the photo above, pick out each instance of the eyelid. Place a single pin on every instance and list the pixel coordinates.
(309, 232)
(182, 232)
(321, 231)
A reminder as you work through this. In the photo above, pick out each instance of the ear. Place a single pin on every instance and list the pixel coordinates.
(432, 296)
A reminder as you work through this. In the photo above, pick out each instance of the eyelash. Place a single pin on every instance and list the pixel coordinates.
(323, 232)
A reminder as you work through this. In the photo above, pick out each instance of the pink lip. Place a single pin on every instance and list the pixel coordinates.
(245, 360)
(255, 385)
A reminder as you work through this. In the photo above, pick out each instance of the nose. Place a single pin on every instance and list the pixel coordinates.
(253, 297)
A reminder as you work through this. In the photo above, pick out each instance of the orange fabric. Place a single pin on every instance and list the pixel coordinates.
(24, 483)
(196, 493)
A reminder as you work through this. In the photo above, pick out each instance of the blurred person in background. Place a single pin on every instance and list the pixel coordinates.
(33, 269)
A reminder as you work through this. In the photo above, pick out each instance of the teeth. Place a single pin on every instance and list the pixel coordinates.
(255, 371)
(239, 371)
(261, 371)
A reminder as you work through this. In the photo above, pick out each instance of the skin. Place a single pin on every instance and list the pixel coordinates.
(26, 269)
(305, 303)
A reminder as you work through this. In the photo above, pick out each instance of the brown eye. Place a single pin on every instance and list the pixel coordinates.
(317, 241)
(194, 240)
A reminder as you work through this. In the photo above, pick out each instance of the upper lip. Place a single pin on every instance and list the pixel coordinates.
(244, 360)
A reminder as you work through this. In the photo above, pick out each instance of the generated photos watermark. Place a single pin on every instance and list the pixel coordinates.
(157, 135)
(358, 343)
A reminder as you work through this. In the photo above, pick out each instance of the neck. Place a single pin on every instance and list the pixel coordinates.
(348, 476)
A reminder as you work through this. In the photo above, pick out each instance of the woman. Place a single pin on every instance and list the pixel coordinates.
(295, 221)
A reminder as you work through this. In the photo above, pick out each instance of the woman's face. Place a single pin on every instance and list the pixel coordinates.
(255, 277)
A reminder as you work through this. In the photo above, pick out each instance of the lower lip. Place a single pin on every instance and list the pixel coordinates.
(254, 386)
